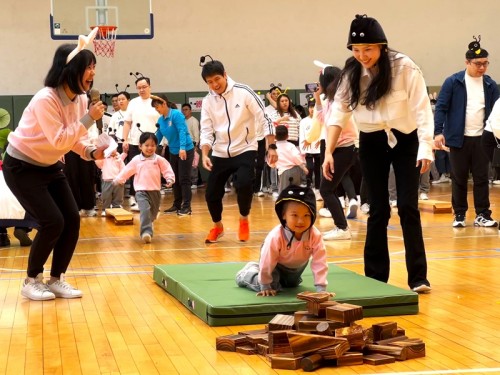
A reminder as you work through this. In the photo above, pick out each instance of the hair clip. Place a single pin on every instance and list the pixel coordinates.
(203, 59)
(126, 88)
(83, 42)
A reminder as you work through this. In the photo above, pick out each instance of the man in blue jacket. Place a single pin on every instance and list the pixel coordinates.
(463, 106)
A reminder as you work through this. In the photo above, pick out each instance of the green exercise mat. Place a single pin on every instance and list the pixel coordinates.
(209, 291)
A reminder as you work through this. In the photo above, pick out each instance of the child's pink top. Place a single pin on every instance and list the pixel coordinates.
(275, 250)
(147, 171)
(289, 156)
(111, 166)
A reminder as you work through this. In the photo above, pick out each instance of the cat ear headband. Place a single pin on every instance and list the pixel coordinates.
(83, 42)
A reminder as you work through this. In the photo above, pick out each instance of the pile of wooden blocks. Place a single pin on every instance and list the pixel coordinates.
(325, 335)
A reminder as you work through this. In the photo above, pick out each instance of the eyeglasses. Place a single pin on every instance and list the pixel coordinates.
(479, 65)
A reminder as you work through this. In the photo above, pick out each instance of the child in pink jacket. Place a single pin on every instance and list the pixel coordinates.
(111, 194)
(288, 248)
(148, 167)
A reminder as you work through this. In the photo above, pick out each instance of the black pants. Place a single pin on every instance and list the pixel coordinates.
(81, 179)
(489, 144)
(314, 167)
(133, 150)
(182, 186)
(45, 194)
(376, 157)
(343, 159)
(259, 165)
(242, 167)
(471, 157)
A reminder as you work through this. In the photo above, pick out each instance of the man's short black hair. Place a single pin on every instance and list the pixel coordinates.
(212, 68)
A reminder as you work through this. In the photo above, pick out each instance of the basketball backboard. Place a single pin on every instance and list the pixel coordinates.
(133, 18)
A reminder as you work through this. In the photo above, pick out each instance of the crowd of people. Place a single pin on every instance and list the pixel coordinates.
(371, 133)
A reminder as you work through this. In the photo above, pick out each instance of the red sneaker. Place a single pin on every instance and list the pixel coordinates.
(243, 231)
(214, 235)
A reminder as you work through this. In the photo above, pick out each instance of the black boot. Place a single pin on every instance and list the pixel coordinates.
(4, 240)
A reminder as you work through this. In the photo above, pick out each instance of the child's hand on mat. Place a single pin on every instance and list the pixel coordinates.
(267, 293)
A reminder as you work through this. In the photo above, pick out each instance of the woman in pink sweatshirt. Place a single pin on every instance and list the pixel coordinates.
(53, 124)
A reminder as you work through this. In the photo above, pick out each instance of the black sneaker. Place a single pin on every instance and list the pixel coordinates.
(171, 210)
(22, 236)
(184, 212)
(459, 221)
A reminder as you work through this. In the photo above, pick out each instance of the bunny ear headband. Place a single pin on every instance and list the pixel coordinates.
(83, 42)
(321, 65)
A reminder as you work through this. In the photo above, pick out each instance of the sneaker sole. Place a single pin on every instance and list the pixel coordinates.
(67, 296)
(353, 212)
(422, 289)
(218, 237)
(48, 298)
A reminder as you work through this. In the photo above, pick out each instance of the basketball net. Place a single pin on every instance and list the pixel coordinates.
(104, 42)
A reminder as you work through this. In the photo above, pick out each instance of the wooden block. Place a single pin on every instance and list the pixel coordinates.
(120, 216)
(311, 363)
(278, 342)
(246, 349)
(314, 296)
(307, 325)
(415, 348)
(385, 330)
(281, 322)
(378, 359)
(260, 338)
(299, 315)
(319, 308)
(285, 363)
(442, 208)
(253, 332)
(335, 351)
(400, 353)
(344, 312)
(263, 349)
(354, 335)
(304, 343)
(230, 342)
(323, 328)
(392, 339)
(350, 359)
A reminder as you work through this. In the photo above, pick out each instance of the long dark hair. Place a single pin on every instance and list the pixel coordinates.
(71, 73)
(379, 86)
(291, 109)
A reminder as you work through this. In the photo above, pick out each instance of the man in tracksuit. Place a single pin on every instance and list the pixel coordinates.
(231, 117)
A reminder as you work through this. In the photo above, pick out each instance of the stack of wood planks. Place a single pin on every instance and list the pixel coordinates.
(327, 334)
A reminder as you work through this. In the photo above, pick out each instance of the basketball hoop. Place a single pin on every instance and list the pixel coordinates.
(104, 42)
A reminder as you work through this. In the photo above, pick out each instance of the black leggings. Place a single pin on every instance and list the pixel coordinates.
(45, 194)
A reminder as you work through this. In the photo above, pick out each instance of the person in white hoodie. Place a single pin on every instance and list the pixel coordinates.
(232, 116)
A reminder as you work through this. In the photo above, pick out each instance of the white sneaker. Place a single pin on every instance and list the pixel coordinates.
(135, 208)
(318, 195)
(63, 289)
(423, 197)
(194, 187)
(496, 182)
(276, 195)
(422, 289)
(337, 234)
(365, 208)
(324, 212)
(36, 290)
(88, 213)
(260, 193)
(353, 209)
(441, 180)
(484, 220)
(103, 213)
(393, 203)
(146, 237)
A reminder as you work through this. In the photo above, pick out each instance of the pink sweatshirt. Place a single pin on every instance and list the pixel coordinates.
(147, 171)
(289, 156)
(274, 251)
(51, 126)
(111, 166)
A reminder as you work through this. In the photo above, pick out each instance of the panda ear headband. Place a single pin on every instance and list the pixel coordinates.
(83, 42)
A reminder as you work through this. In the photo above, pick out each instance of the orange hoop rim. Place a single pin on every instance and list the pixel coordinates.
(104, 30)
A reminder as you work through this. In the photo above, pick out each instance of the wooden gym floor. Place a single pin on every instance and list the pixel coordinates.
(126, 324)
